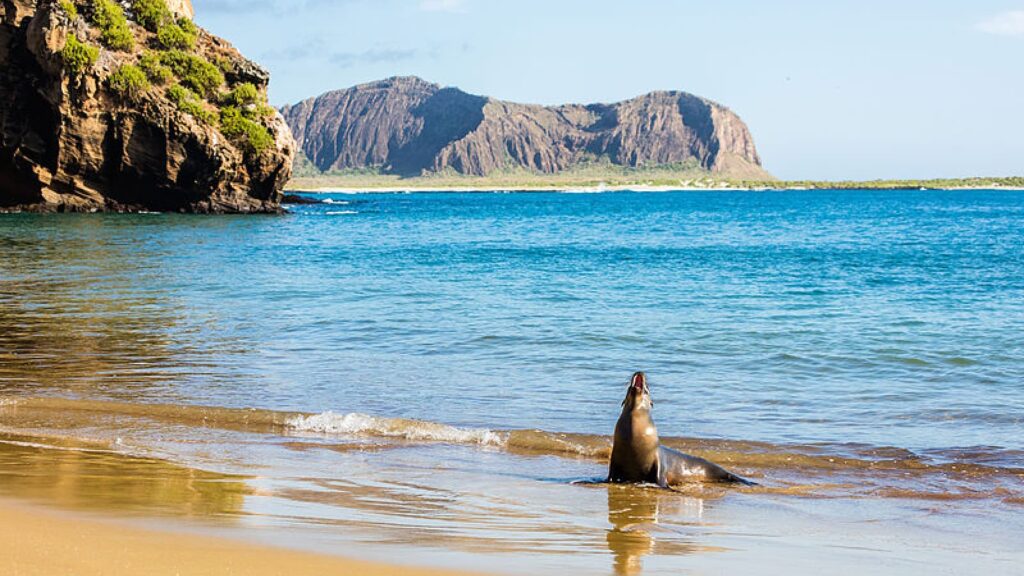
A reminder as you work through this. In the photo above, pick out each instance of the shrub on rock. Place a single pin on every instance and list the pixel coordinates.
(252, 136)
(194, 72)
(188, 102)
(179, 36)
(114, 30)
(154, 69)
(128, 81)
(69, 8)
(151, 14)
(77, 55)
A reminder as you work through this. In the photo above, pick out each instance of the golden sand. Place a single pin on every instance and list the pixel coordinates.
(41, 542)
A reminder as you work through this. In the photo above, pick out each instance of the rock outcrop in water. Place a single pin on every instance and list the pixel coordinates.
(129, 106)
(409, 127)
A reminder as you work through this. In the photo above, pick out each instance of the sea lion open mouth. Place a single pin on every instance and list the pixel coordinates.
(639, 383)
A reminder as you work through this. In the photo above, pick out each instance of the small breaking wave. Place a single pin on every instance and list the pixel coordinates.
(417, 430)
(336, 202)
(341, 213)
(523, 441)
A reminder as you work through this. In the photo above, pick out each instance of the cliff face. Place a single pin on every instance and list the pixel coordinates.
(96, 115)
(408, 126)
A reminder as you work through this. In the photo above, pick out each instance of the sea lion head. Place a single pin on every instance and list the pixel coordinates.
(638, 395)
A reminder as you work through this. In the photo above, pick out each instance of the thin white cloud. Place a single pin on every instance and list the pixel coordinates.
(373, 56)
(443, 5)
(1006, 24)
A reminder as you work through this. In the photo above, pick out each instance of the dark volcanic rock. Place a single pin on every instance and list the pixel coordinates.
(409, 127)
(68, 142)
(299, 199)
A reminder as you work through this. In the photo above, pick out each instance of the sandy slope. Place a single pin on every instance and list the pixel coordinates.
(36, 542)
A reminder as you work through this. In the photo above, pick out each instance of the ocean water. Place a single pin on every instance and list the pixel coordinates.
(374, 361)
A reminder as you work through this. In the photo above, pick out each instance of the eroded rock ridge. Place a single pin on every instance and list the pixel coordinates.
(410, 127)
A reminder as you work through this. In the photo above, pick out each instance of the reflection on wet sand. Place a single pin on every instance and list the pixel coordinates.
(631, 515)
(634, 513)
(82, 478)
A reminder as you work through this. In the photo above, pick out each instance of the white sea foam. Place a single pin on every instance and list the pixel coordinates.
(337, 202)
(341, 212)
(355, 423)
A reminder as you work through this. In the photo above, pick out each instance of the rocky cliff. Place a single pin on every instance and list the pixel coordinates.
(410, 127)
(108, 105)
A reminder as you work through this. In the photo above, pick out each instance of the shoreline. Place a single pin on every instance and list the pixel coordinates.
(618, 188)
(37, 540)
(378, 497)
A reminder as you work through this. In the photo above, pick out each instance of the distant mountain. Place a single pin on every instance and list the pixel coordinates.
(408, 126)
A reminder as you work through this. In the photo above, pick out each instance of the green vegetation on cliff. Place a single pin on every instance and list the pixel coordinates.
(235, 125)
(154, 69)
(108, 16)
(129, 81)
(248, 100)
(151, 14)
(243, 95)
(77, 55)
(69, 8)
(194, 72)
(178, 36)
(188, 102)
(196, 85)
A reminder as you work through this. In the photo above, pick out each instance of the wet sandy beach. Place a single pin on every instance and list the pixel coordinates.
(423, 494)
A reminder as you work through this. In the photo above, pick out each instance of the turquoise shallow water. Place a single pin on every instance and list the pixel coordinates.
(890, 318)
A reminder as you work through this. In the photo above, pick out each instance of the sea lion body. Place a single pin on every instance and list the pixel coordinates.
(676, 467)
(638, 456)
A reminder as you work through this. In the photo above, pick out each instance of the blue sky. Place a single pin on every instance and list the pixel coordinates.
(830, 89)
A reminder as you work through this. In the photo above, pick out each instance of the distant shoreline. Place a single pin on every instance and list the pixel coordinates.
(622, 188)
(656, 182)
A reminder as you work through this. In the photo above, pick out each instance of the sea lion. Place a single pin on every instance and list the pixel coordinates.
(638, 456)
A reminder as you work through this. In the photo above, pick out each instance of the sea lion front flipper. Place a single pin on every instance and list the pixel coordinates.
(660, 477)
(614, 474)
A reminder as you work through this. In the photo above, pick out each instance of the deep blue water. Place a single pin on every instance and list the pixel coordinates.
(884, 317)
